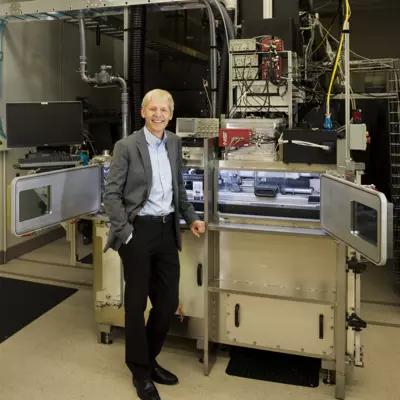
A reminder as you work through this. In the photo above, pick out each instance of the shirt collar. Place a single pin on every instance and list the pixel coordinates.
(152, 140)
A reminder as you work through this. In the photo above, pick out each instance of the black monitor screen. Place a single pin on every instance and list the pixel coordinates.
(44, 124)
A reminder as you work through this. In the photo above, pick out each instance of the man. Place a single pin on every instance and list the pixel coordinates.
(144, 199)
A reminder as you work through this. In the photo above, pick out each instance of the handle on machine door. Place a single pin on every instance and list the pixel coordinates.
(237, 315)
(199, 274)
(321, 326)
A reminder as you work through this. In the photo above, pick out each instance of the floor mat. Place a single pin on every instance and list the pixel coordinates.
(21, 302)
(274, 367)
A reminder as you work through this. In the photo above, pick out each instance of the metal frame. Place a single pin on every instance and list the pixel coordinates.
(49, 6)
(64, 204)
(285, 103)
(339, 194)
(340, 321)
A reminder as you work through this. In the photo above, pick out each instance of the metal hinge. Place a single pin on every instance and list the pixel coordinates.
(355, 322)
(356, 265)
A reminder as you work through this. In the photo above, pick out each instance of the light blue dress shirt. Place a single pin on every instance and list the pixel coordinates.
(160, 198)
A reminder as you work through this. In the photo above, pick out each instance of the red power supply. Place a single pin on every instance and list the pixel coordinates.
(230, 137)
(271, 64)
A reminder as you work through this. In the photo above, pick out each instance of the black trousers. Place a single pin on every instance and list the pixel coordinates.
(151, 269)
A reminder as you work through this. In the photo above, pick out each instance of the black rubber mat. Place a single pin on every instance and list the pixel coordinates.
(274, 367)
(21, 302)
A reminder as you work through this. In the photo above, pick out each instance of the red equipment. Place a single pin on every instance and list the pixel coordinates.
(230, 137)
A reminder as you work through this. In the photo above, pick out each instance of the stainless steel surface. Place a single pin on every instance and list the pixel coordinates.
(49, 6)
(340, 321)
(390, 232)
(273, 323)
(69, 194)
(210, 255)
(191, 294)
(256, 124)
(259, 289)
(274, 166)
(250, 199)
(338, 194)
(269, 193)
(265, 229)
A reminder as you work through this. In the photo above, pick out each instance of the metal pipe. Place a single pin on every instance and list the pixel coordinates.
(105, 80)
(124, 104)
(83, 57)
(347, 88)
(4, 203)
(213, 59)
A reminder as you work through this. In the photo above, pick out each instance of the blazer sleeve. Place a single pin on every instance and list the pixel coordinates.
(114, 191)
(186, 209)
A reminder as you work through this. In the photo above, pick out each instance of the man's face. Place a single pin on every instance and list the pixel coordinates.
(157, 114)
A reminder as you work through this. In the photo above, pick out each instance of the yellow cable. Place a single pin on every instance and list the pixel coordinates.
(338, 56)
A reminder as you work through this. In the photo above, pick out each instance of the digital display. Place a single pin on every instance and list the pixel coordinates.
(186, 125)
(44, 124)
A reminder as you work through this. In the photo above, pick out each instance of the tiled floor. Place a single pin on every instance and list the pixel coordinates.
(57, 357)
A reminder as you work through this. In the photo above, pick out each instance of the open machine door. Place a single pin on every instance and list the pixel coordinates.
(358, 216)
(42, 200)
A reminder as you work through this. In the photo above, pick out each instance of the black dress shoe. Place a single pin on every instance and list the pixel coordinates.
(145, 389)
(161, 375)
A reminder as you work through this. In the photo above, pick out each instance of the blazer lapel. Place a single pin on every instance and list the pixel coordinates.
(172, 150)
(144, 152)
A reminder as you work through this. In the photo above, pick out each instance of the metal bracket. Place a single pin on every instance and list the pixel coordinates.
(355, 322)
(356, 265)
(104, 299)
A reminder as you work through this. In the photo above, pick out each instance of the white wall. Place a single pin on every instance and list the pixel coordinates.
(41, 61)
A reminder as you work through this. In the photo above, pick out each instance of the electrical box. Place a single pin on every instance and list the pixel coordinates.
(358, 137)
(245, 60)
(238, 45)
(197, 127)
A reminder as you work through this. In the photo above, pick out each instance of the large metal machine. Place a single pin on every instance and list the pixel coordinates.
(289, 225)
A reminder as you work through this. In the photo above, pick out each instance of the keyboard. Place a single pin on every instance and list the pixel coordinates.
(39, 160)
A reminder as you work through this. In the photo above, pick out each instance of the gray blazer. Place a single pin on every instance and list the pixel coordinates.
(129, 183)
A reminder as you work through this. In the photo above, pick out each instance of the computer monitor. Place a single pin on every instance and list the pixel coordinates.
(44, 124)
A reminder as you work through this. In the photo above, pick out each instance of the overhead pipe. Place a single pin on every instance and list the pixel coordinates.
(103, 78)
(223, 73)
(83, 57)
(213, 59)
(228, 25)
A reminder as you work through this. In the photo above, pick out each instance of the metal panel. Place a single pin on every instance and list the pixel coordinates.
(44, 6)
(190, 289)
(279, 264)
(108, 272)
(272, 323)
(356, 215)
(42, 200)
